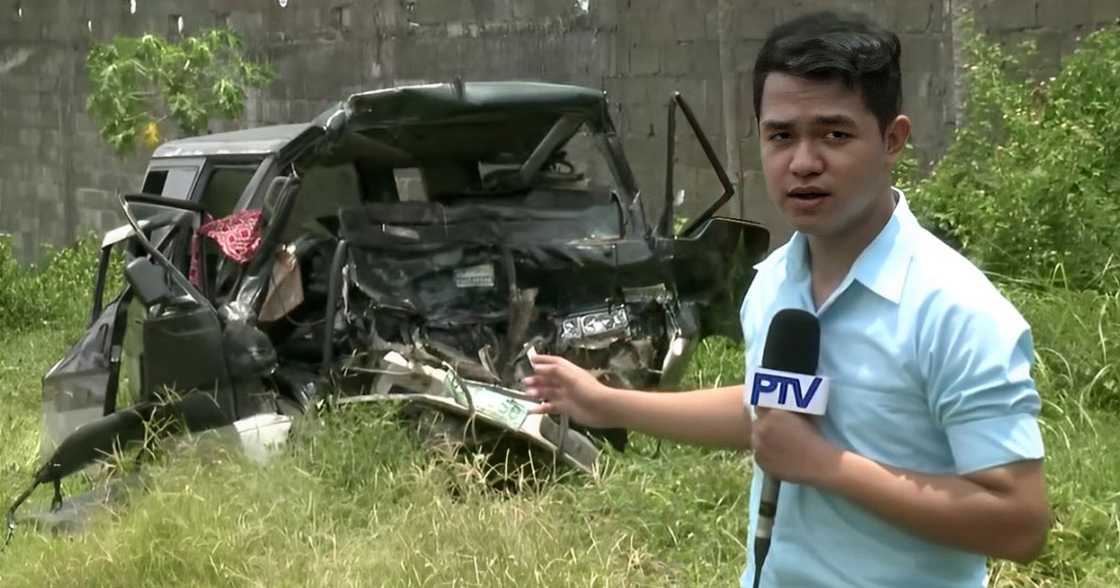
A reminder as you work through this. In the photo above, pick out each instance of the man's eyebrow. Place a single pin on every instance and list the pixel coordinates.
(835, 120)
(823, 120)
(776, 125)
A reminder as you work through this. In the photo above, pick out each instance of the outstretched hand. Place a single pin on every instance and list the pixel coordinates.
(562, 387)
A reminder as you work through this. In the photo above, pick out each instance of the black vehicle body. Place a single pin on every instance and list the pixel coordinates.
(415, 244)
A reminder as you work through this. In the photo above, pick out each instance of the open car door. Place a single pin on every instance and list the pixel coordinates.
(195, 371)
(712, 256)
(84, 385)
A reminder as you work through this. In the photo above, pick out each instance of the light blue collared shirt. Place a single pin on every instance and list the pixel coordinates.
(930, 370)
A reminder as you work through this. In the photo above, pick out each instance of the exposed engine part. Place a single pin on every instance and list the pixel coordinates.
(676, 360)
(682, 325)
(453, 356)
(521, 313)
(658, 293)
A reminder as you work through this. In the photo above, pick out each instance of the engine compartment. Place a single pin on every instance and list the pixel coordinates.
(475, 283)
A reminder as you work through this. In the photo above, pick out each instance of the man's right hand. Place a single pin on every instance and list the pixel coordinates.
(562, 387)
(714, 418)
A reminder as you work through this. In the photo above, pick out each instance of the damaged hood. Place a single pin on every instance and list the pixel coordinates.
(498, 122)
(441, 103)
(386, 123)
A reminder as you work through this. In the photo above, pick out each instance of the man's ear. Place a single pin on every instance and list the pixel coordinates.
(896, 136)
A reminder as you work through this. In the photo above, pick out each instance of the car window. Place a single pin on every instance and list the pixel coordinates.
(580, 165)
(583, 164)
(323, 190)
(224, 187)
(173, 182)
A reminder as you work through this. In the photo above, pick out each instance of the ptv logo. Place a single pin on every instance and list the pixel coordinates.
(788, 391)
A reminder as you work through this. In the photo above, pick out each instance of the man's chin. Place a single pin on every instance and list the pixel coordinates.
(808, 225)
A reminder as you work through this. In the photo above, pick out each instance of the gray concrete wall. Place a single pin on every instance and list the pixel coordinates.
(57, 178)
(1054, 26)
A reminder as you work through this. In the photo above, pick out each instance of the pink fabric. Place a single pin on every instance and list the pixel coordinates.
(238, 237)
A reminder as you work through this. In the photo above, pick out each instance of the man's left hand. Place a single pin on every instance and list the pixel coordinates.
(789, 447)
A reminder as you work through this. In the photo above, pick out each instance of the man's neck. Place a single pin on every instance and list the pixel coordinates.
(831, 258)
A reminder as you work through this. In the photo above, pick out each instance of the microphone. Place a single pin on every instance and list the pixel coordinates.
(789, 364)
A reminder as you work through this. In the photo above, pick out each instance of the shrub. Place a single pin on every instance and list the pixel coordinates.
(14, 299)
(57, 294)
(1025, 190)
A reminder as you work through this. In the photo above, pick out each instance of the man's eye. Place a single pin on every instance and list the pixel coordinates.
(779, 136)
(839, 135)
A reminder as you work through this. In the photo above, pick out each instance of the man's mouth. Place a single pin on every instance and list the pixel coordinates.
(808, 195)
(811, 193)
(807, 200)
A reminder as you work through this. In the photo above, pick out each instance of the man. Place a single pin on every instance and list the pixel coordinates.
(929, 456)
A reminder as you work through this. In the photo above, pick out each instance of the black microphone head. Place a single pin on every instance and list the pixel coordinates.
(793, 343)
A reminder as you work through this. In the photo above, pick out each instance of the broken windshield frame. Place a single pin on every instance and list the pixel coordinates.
(181, 280)
(175, 219)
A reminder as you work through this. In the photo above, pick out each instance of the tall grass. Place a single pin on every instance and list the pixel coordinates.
(356, 500)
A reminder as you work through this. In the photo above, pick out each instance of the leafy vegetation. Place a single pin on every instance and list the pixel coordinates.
(56, 294)
(138, 83)
(1028, 187)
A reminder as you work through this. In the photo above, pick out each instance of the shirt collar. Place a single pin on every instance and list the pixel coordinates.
(883, 264)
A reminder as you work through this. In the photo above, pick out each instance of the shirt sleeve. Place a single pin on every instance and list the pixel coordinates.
(980, 387)
(748, 321)
(748, 318)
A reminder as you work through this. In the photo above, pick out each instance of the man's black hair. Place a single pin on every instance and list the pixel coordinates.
(843, 46)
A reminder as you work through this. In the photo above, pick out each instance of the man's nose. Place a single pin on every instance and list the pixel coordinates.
(806, 160)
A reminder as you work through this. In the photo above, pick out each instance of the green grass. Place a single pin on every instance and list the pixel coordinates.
(357, 501)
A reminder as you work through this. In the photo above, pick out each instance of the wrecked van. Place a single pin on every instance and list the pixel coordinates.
(410, 245)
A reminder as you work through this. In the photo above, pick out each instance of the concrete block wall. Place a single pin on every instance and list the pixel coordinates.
(1054, 26)
(57, 178)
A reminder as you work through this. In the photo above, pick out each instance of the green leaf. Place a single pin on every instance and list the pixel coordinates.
(134, 80)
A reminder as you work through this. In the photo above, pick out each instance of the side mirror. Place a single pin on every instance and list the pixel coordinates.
(149, 281)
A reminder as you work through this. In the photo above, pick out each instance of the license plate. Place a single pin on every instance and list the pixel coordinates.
(498, 406)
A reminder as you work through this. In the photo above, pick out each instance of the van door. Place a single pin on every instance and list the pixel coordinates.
(84, 385)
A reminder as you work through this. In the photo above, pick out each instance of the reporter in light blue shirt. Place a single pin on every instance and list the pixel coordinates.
(929, 458)
(929, 368)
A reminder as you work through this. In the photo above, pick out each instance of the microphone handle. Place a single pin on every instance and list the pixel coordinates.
(767, 508)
